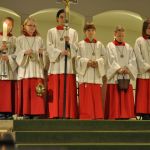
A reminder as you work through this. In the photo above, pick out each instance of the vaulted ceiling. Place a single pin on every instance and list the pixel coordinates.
(86, 8)
(105, 14)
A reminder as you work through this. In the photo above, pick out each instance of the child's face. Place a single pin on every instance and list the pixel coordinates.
(30, 27)
(61, 19)
(9, 25)
(120, 36)
(90, 33)
(148, 30)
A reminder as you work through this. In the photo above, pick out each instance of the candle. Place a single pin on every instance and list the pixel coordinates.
(4, 32)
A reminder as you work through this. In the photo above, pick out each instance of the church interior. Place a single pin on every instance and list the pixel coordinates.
(75, 134)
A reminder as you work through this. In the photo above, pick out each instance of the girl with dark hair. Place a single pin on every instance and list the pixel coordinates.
(142, 51)
(56, 38)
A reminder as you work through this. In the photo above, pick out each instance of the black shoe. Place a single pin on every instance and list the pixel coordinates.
(2, 117)
(27, 117)
(146, 117)
(38, 117)
(122, 119)
(8, 116)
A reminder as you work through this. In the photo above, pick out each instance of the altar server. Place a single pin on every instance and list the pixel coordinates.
(7, 69)
(90, 66)
(56, 38)
(119, 102)
(31, 58)
(142, 51)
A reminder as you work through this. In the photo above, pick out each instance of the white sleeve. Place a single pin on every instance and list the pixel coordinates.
(42, 57)
(12, 57)
(21, 59)
(81, 63)
(132, 65)
(112, 63)
(101, 61)
(53, 52)
(12, 63)
(143, 66)
(74, 45)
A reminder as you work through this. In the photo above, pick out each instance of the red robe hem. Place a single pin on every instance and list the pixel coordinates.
(27, 101)
(56, 96)
(90, 102)
(142, 98)
(119, 104)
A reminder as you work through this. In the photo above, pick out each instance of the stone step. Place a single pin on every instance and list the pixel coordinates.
(85, 146)
(84, 125)
(44, 137)
(6, 125)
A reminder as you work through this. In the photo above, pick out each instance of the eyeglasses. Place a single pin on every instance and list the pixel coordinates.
(61, 17)
(30, 25)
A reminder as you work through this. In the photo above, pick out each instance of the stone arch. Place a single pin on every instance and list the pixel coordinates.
(4, 12)
(106, 22)
(46, 19)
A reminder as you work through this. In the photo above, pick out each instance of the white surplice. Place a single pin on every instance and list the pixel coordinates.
(30, 67)
(11, 65)
(88, 74)
(55, 47)
(142, 51)
(115, 61)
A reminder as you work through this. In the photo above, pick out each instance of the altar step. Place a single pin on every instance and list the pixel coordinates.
(78, 134)
(85, 146)
(44, 137)
(75, 125)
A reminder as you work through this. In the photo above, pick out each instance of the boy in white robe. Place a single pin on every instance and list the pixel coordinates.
(90, 66)
(119, 104)
(56, 38)
(142, 51)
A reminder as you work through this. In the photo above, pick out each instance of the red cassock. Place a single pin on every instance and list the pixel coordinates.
(6, 96)
(90, 103)
(119, 104)
(27, 101)
(56, 96)
(7, 83)
(142, 101)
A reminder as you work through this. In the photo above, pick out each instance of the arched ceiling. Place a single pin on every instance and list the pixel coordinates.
(50, 15)
(119, 17)
(107, 21)
(86, 8)
(46, 19)
(106, 14)
(5, 11)
(17, 20)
